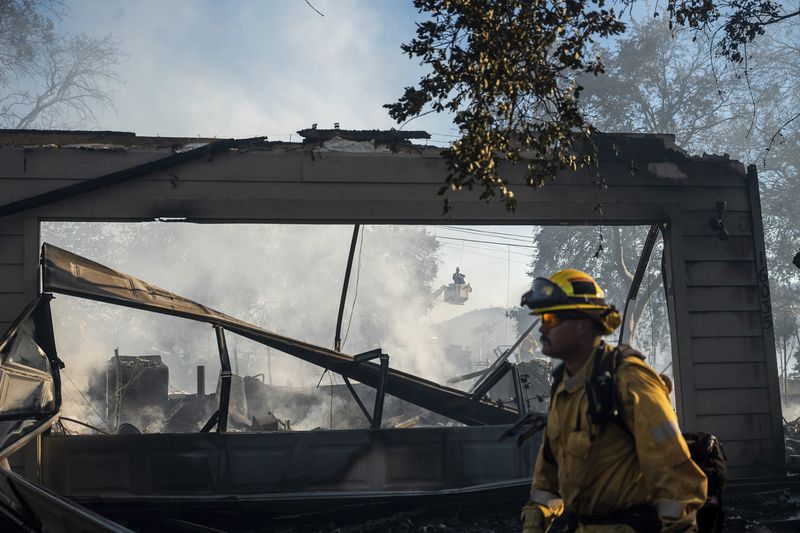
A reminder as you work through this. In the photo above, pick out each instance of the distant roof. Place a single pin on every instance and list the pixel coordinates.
(72, 137)
(379, 136)
(313, 139)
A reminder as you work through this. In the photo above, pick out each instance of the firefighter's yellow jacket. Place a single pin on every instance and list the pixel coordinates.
(597, 471)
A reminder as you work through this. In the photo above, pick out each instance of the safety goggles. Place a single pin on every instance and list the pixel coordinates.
(551, 320)
(544, 293)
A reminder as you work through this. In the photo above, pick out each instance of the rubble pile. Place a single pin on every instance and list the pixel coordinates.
(763, 512)
(419, 521)
(791, 431)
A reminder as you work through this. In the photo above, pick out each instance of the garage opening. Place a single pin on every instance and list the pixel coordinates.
(442, 301)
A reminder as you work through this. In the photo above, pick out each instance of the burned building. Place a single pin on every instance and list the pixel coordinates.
(133, 389)
(706, 208)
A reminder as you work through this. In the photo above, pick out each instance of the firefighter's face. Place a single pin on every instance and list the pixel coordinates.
(564, 336)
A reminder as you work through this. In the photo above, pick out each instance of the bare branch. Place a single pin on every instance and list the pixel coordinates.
(621, 253)
(315, 9)
(57, 80)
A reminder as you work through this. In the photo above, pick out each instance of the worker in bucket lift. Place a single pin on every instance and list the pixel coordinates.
(458, 277)
(624, 468)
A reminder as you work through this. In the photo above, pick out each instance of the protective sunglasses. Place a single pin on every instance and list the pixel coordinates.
(551, 320)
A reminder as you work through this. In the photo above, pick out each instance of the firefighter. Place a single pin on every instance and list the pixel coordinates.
(629, 472)
(458, 277)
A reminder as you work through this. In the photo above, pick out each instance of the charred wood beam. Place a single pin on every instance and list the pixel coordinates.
(380, 392)
(337, 343)
(522, 407)
(94, 184)
(367, 356)
(491, 380)
(211, 422)
(358, 400)
(380, 136)
(225, 379)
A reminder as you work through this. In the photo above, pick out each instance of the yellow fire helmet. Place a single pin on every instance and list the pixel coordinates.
(572, 290)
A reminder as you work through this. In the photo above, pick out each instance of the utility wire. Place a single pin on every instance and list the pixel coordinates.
(509, 236)
(77, 403)
(496, 257)
(487, 242)
(482, 252)
(482, 231)
(82, 396)
(518, 253)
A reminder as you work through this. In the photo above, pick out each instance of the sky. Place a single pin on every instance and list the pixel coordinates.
(217, 69)
(206, 68)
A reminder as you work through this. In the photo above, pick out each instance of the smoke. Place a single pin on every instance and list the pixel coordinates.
(287, 279)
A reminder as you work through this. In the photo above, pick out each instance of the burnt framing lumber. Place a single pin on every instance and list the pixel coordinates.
(380, 390)
(94, 184)
(311, 135)
(337, 343)
(68, 273)
(357, 399)
(225, 379)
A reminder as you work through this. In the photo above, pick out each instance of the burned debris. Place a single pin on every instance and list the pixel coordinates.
(133, 389)
(134, 393)
(314, 135)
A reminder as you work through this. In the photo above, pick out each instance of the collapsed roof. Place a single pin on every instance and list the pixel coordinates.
(68, 273)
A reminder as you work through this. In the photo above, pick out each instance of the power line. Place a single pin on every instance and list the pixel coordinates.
(488, 242)
(496, 257)
(492, 238)
(509, 236)
(488, 248)
(519, 255)
(485, 231)
(77, 403)
(82, 396)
